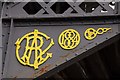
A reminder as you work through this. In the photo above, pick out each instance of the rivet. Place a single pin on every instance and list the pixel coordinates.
(56, 65)
(6, 14)
(116, 32)
(76, 54)
(3, 35)
(106, 37)
(96, 43)
(67, 59)
(7, 7)
(73, 6)
(46, 70)
(5, 52)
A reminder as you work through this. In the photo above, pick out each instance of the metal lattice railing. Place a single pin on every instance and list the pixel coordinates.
(54, 8)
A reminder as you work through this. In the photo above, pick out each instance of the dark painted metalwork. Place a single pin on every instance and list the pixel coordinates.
(0, 42)
(80, 16)
(55, 9)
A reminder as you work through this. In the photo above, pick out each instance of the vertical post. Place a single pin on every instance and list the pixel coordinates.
(0, 50)
(0, 42)
(118, 8)
(119, 14)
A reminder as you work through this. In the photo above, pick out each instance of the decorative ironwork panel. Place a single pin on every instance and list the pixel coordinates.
(48, 47)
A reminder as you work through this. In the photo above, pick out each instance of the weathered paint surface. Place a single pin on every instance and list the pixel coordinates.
(14, 69)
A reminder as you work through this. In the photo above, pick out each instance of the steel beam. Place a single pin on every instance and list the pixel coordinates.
(0, 41)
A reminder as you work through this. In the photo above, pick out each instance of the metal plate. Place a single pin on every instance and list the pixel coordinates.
(13, 69)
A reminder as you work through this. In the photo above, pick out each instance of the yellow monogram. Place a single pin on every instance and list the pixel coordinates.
(34, 46)
(91, 33)
(69, 39)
